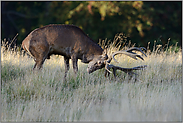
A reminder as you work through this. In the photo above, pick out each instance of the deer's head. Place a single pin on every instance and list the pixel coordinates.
(98, 62)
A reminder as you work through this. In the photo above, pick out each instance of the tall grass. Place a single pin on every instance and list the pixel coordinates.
(44, 96)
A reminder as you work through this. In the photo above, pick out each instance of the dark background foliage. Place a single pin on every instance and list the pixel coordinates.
(141, 22)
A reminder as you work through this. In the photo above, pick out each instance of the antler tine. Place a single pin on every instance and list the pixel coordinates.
(137, 49)
(107, 67)
(107, 71)
(130, 53)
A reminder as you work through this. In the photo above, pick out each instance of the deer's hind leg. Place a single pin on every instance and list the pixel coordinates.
(39, 56)
(39, 63)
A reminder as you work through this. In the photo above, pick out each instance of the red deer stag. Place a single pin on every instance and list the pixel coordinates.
(72, 43)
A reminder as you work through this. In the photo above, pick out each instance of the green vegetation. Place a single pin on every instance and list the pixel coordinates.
(44, 96)
(141, 21)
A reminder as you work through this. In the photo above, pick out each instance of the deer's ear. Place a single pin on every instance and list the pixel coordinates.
(105, 51)
(104, 54)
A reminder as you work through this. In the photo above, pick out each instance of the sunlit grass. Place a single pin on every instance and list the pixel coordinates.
(44, 96)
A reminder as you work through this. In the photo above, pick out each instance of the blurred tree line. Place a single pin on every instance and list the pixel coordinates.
(141, 22)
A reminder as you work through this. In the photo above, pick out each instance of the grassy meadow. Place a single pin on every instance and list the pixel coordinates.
(44, 96)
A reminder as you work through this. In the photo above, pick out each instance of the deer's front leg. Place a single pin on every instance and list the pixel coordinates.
(74, 63)
(66, 63)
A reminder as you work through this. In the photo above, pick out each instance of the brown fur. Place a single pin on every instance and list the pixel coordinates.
(66, 40)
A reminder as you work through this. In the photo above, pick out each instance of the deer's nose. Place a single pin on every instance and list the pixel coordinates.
(88, 70)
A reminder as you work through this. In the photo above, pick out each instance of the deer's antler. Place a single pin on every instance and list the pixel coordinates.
(128, 52)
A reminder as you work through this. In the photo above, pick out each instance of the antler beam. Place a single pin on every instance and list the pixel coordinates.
(126, 70)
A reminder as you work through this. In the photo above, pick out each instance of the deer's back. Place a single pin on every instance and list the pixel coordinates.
(63, 39)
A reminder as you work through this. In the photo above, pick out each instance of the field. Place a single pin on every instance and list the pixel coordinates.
(44, 96)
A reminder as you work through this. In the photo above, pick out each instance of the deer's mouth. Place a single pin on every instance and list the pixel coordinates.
(94, 68)
(89, 70)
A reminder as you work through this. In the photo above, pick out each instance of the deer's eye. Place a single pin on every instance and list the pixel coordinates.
(99, 62)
